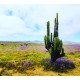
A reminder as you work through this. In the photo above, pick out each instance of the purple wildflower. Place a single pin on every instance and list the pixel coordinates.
(64, 62)
(23, 47)
(27, 63)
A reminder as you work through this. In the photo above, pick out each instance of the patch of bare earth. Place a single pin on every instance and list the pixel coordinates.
(41, 48)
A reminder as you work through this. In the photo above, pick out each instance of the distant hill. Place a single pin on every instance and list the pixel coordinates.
(70, 43)
(37, 41)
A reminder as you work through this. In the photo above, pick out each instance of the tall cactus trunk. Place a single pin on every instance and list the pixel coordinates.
(48, 29)
(56, 26)
(52, 42)
(57, 21)
(48, 36)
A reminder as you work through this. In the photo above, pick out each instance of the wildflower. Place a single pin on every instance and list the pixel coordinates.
(64, 62)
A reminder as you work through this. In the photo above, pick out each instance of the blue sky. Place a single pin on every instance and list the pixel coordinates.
(20, 22)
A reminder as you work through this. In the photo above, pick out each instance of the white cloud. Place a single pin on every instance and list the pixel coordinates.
(70, 27)
(10, 25)
(24, 19)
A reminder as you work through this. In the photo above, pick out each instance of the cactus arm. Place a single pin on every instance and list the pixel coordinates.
(45, 41)
(51, 37)
(48, 28)
(57, 21)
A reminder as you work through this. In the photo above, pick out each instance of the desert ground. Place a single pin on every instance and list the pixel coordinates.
(32, 59)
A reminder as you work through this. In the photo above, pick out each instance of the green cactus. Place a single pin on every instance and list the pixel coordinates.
(47, 38)
(52, 42)
(48, 28)
(51, 37)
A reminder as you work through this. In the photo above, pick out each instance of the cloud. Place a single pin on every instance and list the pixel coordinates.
(9, 13)
(31, 20)
(72, 27)
(10, 25)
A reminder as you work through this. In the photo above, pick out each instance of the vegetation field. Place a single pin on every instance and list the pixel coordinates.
(32, 59)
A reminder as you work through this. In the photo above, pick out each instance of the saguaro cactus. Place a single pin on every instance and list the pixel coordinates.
(52, 42)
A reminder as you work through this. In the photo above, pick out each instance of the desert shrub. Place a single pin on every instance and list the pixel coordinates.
(64, 63)
(25, 65)
(60, 65)
(10, 65)
(25, 44)
(72, 53)
(4, 72)
(20, 68)
(46, 63)
(2, 63)
(3, 44)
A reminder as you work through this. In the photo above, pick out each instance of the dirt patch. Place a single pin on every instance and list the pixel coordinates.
(41, 48)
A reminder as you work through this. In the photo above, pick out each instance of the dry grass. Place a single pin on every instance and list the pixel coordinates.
(39, 66)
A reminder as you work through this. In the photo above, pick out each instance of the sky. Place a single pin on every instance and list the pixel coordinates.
(24, 22)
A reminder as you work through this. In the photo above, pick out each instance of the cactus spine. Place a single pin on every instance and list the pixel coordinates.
(52, 42)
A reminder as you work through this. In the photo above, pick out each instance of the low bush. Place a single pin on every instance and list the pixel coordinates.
(63, 62)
